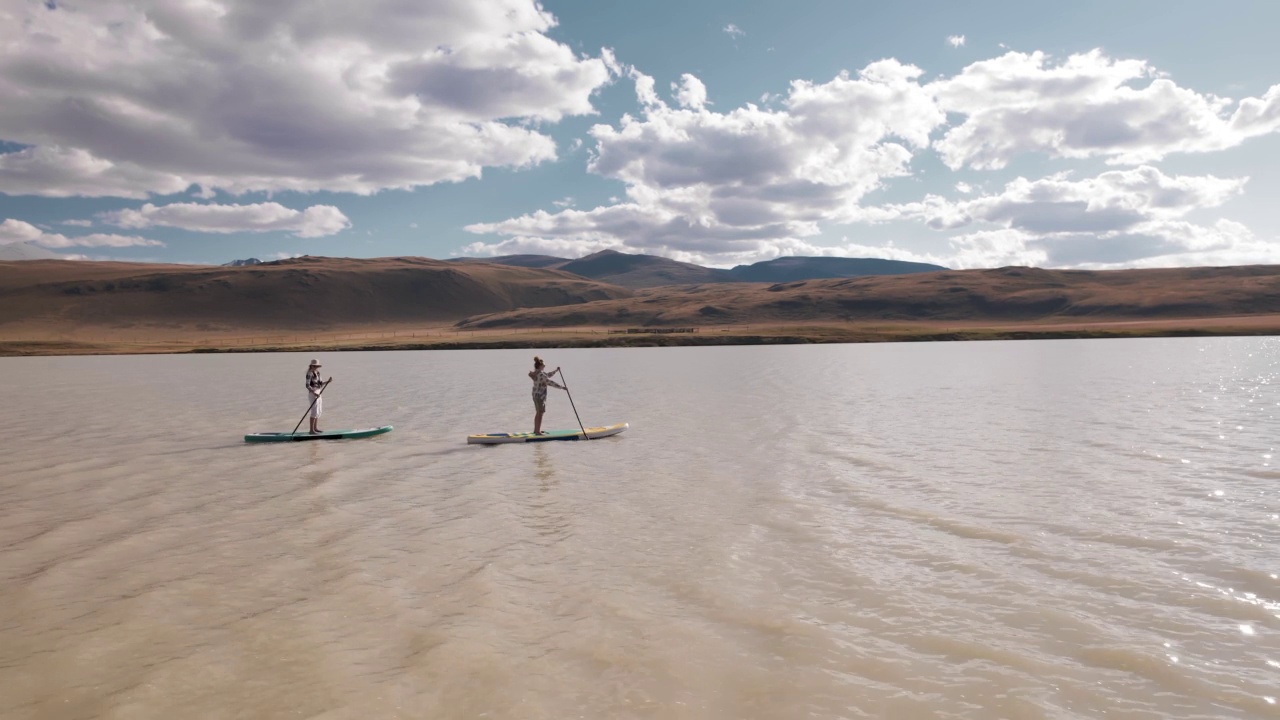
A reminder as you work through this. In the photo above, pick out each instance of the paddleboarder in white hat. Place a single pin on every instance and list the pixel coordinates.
(314, 386)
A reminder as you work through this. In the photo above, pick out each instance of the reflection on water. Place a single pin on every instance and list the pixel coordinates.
(542, 463)
(1034, 529)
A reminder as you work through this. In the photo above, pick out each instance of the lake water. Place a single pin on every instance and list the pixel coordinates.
(1039, 529)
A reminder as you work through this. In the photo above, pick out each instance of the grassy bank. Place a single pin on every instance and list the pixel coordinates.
(445, 339)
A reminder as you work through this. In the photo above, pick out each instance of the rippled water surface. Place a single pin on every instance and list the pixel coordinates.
(1048, 529)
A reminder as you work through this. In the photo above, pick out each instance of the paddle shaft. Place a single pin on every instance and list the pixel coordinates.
(313, 404)
(575, 407)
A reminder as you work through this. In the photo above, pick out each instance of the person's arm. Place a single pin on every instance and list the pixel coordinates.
(555, 384)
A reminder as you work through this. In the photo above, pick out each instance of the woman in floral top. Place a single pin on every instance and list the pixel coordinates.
(541, 380)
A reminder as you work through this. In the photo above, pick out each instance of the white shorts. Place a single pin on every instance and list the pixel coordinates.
(315, 409)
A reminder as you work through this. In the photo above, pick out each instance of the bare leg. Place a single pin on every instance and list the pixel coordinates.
(537, 423)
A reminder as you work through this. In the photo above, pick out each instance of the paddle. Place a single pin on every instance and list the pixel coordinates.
(313, 404)
(575, 408)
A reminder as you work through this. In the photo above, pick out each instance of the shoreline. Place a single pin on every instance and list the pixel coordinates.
(101, 343)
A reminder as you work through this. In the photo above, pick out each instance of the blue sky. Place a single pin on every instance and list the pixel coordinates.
(980, 134)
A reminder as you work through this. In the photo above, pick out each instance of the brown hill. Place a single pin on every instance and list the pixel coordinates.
(1007, 294)
(67, 306)
(300, 293)
(534, 261)
(638, 271)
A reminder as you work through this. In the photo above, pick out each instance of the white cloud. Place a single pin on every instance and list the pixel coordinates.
(611, 62)
(16, 231)
(717, 185)
(413, 226)
(802, 248)
(1085, 107)
(523, 75)
(1187, 245)
(690, 92)
(566, 202)
(130, 98)
(955, 41)
(1149, 244)
(96, 240)
(78, 223)
(646, 95)
(315, 221)
(749, 181)
(1120, 218)
(556, 247)
(733, 31)
(57, 171)
(995, 248)
(1113, 201)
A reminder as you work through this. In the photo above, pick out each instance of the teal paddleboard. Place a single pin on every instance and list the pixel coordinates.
(575, 434)
(326, 435)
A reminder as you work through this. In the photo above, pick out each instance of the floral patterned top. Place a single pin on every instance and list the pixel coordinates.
(540, 382)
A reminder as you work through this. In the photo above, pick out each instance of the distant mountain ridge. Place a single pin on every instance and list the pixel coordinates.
(638, 271)
(789, 269)
(243, 263)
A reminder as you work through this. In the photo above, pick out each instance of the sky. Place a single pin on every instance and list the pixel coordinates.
(990, 133)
